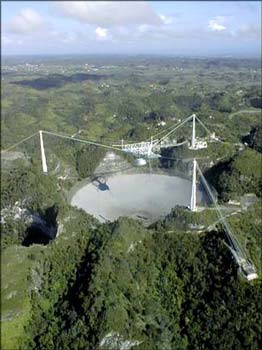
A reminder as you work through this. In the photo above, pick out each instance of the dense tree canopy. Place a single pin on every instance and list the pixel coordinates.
(173, 285)
(237, 176)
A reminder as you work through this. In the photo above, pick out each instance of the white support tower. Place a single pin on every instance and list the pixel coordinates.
(193, 139)
(196, 143)
(193, 191)
(44, 166)
(150, 147)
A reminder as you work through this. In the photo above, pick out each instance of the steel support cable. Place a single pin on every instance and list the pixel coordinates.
(81, 140)
(163, 131)
(185, 159)
(228, 230)
(105, 141)
(18, 143)
(209, 132)
(135, 143)
(203, 125)
(175, 128)
(219, 211)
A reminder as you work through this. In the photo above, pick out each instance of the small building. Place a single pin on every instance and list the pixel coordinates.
(199, 144)
(248, 200)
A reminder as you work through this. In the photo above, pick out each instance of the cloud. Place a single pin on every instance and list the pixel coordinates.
(26, 21)
(166, 19)
(217, 24)
(101, 33)
(108, 13)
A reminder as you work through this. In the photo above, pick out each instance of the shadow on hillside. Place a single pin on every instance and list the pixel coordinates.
(58, 80)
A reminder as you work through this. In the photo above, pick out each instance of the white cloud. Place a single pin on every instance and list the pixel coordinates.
(108, 13)
(101, 33)
(217, 24)
(166, 19)
(26, 21)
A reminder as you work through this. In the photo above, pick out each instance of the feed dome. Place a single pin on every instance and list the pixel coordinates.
(140, 162)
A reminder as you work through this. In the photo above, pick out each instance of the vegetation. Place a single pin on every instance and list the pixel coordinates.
(173, 285)
(87, 159)
(241, 174)
(157, 288)
(254, 138)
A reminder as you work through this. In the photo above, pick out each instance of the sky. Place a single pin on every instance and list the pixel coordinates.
(190, 28)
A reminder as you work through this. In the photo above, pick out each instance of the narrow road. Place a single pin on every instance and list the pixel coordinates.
(212, 226)
(246, 111)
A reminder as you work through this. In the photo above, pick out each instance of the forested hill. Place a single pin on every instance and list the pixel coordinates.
(102, 286)
(155, 289)
(236, 176)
